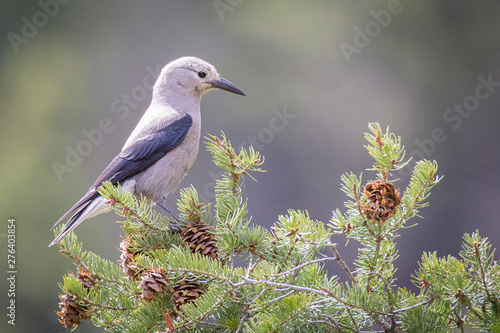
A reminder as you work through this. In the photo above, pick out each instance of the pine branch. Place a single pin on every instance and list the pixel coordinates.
(98, 306)
(299, 267)
(343, 264)
(125, 204)
(482, 271)
(223, 273)
(423, 303)
(353, 305)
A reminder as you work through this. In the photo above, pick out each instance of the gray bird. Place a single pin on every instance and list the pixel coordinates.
(163, 145)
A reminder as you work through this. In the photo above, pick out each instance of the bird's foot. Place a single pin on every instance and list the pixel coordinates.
(174, 225)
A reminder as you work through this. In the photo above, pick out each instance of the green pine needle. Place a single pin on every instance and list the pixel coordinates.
(278, 279)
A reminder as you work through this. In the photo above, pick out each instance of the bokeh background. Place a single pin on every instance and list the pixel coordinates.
(327, 68)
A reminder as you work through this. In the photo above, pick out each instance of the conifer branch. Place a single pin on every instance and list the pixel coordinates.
(280, 297)
(281, 283)
(98, 306)
(429, 182)
(299, 267)
(247, 281)
(204, 314)
(343, 264)
(352, 305)
(65, 251)
(423, 303)
(115, 197)
(477, 252)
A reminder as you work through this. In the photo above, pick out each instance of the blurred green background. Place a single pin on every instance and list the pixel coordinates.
(315, 75)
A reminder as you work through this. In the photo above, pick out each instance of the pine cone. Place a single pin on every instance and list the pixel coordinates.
(382, 201)
(199, 237)
(127, 259)
(186, 292)
(71, 312)
(154, 283)
(86, 278)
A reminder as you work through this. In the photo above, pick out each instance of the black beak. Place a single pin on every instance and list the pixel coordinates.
(227, 86)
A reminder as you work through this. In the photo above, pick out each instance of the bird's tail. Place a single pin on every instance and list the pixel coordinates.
(85, 210)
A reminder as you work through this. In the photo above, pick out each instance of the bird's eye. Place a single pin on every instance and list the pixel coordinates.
(202, 74)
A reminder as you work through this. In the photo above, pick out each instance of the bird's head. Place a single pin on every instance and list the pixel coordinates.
(192, 76)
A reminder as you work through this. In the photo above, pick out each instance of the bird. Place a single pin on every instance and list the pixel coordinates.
(163, 146)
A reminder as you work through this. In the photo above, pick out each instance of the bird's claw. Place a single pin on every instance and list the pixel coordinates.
(174, 227)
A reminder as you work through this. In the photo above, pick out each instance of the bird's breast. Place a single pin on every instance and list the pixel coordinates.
(165, 175)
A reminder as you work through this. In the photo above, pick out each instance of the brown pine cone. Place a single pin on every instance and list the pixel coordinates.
(71, 312)
(199, 237)
(186, 292)
(382, 201)
(127, 259)
(153, 283)
(86, 278)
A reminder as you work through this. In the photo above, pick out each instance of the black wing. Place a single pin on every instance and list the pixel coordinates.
(136, 158)
(145, 152)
